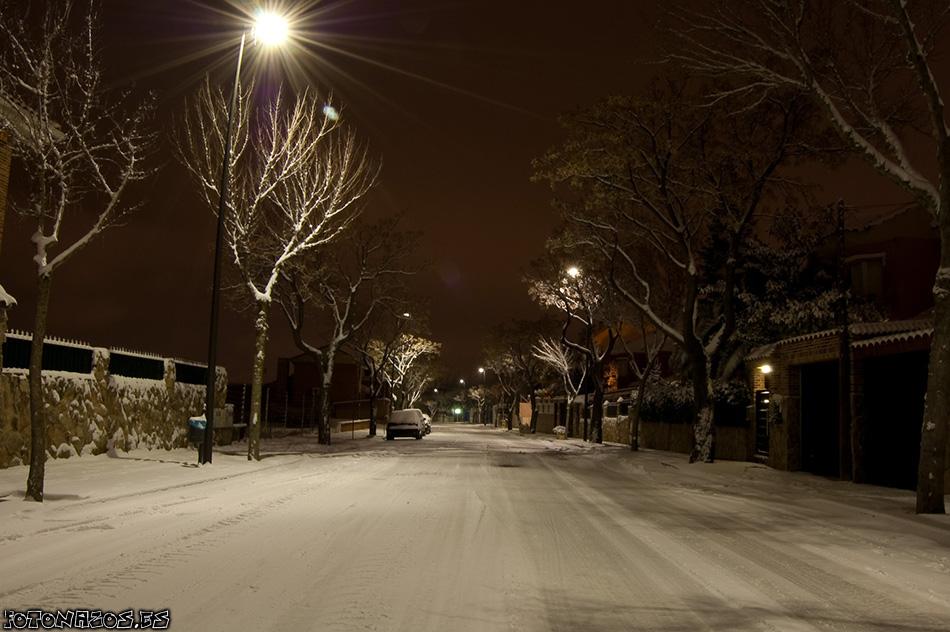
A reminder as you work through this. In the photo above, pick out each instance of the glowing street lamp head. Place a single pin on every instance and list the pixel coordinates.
(573, 272)
(481, 369)
(270, 29)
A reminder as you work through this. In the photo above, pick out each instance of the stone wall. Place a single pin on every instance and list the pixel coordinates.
(93, 413)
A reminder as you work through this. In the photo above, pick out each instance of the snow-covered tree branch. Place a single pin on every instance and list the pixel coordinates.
(81, 145)
(869, 67)
(297, 179)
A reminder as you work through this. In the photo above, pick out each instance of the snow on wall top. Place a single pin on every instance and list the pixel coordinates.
(66, 342)
(903, 336)
(885, 330)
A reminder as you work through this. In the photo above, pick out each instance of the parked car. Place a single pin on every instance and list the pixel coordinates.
(405, 423)
(427, 422)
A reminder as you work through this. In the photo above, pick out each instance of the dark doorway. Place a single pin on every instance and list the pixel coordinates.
(819, 406)
(894, 389)
(762, 422)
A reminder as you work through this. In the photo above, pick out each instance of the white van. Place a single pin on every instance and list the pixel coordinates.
(405, 423)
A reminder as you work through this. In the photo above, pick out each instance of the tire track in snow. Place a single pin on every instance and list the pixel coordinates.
(78, 587)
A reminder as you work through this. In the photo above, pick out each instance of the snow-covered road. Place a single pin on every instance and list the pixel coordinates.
(472, 529)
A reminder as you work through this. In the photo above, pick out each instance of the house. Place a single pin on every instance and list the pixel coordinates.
(292, 398)
(814, 411)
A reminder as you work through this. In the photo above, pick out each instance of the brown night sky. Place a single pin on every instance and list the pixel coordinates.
(456, 157)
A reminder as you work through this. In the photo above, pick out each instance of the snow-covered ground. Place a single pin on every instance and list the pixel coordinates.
(470, 529)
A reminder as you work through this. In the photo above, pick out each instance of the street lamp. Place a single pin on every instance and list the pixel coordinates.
(462, 381)
(573, 272)
(481, 373)
(271, 30)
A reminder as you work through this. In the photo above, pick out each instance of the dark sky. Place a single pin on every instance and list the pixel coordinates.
(457, 97)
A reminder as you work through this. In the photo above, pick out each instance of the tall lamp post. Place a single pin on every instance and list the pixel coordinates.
(269, 29)
(481, 374)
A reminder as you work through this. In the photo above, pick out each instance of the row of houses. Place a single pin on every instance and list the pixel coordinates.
(841, 404)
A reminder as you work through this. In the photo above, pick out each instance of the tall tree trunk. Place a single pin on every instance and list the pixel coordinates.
(570, 416)
(597, 414)
(703, 426)
(586, 416)
(849, 446)
(933, 435)
(3, 325)
(36, 477)
(635, 413)
(533, 424)
(511, 410)
(257, 381)
(372, 403)
(323, 427)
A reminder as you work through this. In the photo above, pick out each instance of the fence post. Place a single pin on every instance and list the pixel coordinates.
(243, 397)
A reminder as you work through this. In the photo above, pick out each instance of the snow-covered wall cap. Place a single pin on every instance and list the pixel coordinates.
(859, 330)
(133, 352)
(890, 326)
(189, 363)
(903, 336)
(79, 344)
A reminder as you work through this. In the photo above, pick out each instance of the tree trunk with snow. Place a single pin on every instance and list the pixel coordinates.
(597, 414)
(933, 435)
(704, 424)
(635, 418)
(323, 423)
(257, 381)
(35, 479)
(533, 424)
(3, 330)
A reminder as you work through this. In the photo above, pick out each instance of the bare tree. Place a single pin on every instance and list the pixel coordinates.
(572, 370)
(418, 379)
(297, 179)
(518, 369)
(501, 362)
(374, 343)
(591, 320)
(408, 370)
(81, 146)
(868, 64)
(659, 179)
(645, 365)
(358, 275)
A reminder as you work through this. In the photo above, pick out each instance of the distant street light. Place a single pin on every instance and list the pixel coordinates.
(462, 381)
(271, 30)
(573, 272)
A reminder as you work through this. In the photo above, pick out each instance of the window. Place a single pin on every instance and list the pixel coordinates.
(867, 276)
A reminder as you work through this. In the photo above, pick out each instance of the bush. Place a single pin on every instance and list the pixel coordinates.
(671, 401)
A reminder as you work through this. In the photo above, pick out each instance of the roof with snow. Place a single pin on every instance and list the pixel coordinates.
(867, 335)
